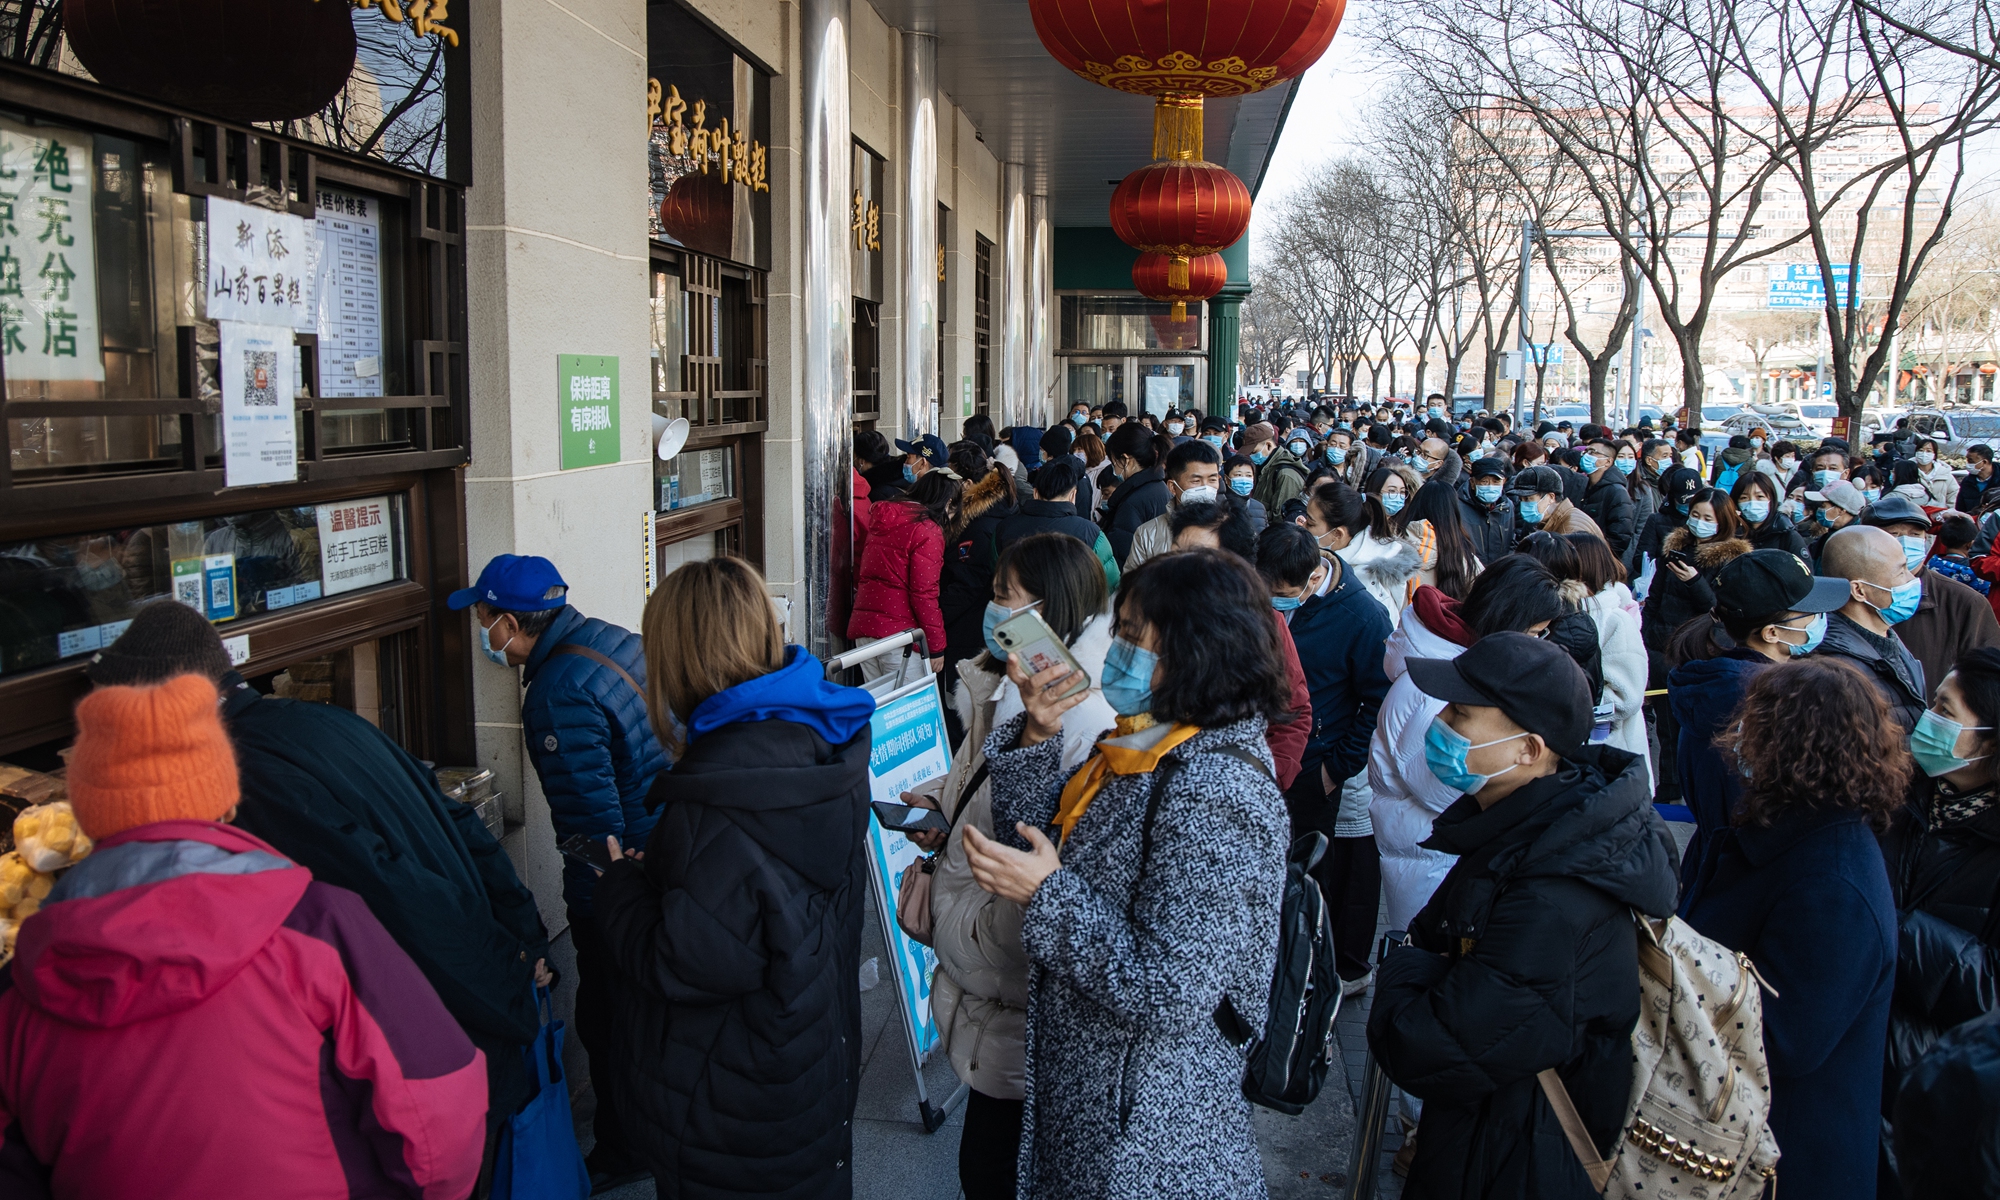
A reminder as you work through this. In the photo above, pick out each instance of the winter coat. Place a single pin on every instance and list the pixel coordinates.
(1526, 959)
(1287, 739)
(333, 794)
(590, 740)
(739, 938)
(1407, 796)
(1622, 655)
(1671, 603)
(1947, 1118)
(896, 586)
(1131, 1090)
(1137, 501)
(966, 585)
(1384, 566)
(885, 480)
(1339, 636)
(1778, 533)
(1885, 660)
(1280, 478)
(1807, 898)
(1730, 465)
(1608, 502)
(1704, 694)
(1971, 494)
(1490, 526)
(1945, 880)
(1057, 516)
(1564, 519)
(979, 995)
(858, 527)
(1950, 619)
(193, 1016)
(1941, 484)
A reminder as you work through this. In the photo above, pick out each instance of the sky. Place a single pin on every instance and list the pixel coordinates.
(1325, 117)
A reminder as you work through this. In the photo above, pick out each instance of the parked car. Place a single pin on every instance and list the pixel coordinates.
(1954, 429)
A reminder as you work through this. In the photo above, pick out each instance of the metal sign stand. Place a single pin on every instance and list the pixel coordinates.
(932, 1116)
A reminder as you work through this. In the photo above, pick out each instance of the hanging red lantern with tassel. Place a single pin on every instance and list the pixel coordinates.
(278, 60)
(1192, 47)
(1178, 281)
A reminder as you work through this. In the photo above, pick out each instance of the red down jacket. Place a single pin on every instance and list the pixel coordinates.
(896, 587)
(193, 1016)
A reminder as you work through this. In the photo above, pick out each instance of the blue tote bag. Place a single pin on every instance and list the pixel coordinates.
(538, 1157)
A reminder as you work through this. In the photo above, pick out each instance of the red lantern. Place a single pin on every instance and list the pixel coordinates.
(1181, 208)
(697, 213)
(1177, 281)
(278, 60)
(1988, 368)
(1194, 47)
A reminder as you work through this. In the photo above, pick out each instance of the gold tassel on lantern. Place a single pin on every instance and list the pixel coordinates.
(1179, 314)
(1177, 127)
(1177, 273)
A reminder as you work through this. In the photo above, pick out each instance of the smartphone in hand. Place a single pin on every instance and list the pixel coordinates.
(907, 818)
(588, 850)
(1027, 635)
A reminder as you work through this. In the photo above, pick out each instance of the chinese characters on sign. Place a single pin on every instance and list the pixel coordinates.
(587, 409)
(48, 258)
(867, 223)
(259, 266)
(685, 133)
(421, 15)
(355, 549)
(347, 294)
(259, 417)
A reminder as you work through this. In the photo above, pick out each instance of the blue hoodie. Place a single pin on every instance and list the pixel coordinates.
(797, 692)
(1027, 442)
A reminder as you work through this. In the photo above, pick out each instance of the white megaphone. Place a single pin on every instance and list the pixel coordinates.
(669, 436)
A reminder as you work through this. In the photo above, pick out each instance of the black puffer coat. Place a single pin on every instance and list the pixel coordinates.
(739, 942)
(1946, 881)
(1947, 1119)
(1526, 958)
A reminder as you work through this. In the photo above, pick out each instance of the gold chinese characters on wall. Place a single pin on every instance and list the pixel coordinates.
(422, 16)
(685, 128)
(867, 223)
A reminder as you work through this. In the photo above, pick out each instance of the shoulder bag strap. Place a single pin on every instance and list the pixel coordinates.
(1572, 1127)
(965, 794)
(594, 656)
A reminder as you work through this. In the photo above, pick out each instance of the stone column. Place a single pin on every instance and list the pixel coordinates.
(1010, 337)
(920, 234)
(826, 289)
(1224, 341)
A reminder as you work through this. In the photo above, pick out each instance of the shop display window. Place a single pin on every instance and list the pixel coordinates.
(696, 477)
(1128, 323)
(68, 597)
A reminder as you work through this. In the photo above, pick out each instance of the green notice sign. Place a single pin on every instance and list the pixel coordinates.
(587, 409)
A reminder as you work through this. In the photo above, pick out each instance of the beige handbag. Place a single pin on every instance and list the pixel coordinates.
(913, 894)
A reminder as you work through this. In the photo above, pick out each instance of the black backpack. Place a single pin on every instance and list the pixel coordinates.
(1288, 1064)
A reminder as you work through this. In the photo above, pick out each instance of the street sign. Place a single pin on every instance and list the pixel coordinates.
(1545, 354)
(1800, 286)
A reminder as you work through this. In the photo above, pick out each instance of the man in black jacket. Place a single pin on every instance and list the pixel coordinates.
(1884, 593)
(1526, 958)
(332, 793)
(1053, 510)
(1978, 477)
(1487, 514)
(1607, 497)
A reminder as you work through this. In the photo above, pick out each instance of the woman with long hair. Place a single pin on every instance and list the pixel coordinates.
(738, 929)
(1386, 555)
(1709, 539)
(896, 586)
(1756, 501)
(1798, 884)
(1454, 562)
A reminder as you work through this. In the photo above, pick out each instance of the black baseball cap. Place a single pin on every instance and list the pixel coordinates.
(1763, 585)
(1537, 481)
(1535, 682)
(1491, 467)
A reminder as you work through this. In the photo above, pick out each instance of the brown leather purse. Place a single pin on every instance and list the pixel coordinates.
(913, 893)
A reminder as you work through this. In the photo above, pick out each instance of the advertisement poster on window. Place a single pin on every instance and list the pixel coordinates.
(259, 266)
(909, 750)
(347, 293)
(48, 256)
(259, 420)
(355, 549)
(587, 409)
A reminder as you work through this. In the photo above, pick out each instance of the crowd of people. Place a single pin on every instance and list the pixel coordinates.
(1516, 686)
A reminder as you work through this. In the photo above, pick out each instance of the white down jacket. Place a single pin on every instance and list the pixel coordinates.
(1407, 795)
(1623, 656)
(1384, 566)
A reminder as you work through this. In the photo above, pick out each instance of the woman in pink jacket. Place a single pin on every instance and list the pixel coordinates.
(896, 586)
(193, 1016)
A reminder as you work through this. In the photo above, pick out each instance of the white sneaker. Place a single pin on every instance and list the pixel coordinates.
(1354, 987)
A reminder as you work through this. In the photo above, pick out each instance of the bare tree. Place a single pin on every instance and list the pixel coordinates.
(1272, 336)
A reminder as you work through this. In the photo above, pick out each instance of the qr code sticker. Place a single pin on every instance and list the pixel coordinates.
(187, 590)
(260, 378)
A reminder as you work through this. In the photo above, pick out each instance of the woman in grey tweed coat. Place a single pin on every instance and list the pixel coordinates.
(1131, 1089)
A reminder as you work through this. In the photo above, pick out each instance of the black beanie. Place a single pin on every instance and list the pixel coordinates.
(166, 639)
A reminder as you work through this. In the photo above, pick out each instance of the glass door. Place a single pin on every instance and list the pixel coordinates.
(1096, 381)
(1168, 383)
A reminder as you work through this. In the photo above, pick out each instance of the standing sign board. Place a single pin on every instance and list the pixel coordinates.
(587, 409)
(909, 749)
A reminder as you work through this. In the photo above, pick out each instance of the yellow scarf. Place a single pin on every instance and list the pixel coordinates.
(1111, 759)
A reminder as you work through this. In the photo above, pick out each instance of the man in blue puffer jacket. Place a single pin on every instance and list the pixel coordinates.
(584, 721)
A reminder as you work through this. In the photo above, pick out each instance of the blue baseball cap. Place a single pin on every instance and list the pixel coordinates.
(515, 583)
(929, 447)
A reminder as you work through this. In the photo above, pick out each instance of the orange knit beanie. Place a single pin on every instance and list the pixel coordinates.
(146, 754)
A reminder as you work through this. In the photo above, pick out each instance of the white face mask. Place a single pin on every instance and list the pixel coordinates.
(1198, 495)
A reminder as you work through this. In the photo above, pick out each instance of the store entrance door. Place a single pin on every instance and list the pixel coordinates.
(1169, 383)
(1095, 381)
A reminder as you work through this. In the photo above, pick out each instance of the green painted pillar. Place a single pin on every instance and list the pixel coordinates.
(1224, 329)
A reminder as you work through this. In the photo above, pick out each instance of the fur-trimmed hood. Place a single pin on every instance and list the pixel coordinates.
(1385, 563)
(996, 489)
(1708, 556)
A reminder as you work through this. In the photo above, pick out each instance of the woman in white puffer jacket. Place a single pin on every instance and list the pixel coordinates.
(1516, 594)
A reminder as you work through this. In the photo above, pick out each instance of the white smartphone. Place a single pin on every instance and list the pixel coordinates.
(1027, 635)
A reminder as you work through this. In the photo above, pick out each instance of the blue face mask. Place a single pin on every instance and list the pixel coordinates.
(1588, 464)
(1825, 517)
(499, 656)
(1914, 553)
(1287, 604)
(1815, 632)
(909, 473)
(1488, 493)
(1127, 684)
(1822, 478)
(1871, 495)
(1701, 528)
(1392, 502)
(1437, 412)
(1258, 456)
(1531, 511)
(996, 614)
(1213, 439)
(1336, 454)
(1079, 418)
(1934, 744)
(1299, 449)
(1421, 465)
(1240, 485)
(1445, 749)
(1903, 600)
(1754, 511)
(1625, 465)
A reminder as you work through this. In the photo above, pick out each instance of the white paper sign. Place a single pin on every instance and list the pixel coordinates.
(259, 265)
(48, 256)
(1163, 392)
(347, 294)
(259, 421)
(355, 549)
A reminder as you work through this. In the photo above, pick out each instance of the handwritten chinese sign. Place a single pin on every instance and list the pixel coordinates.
(259, 265)
(587, 409)
(682, 131)
(48, 255)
